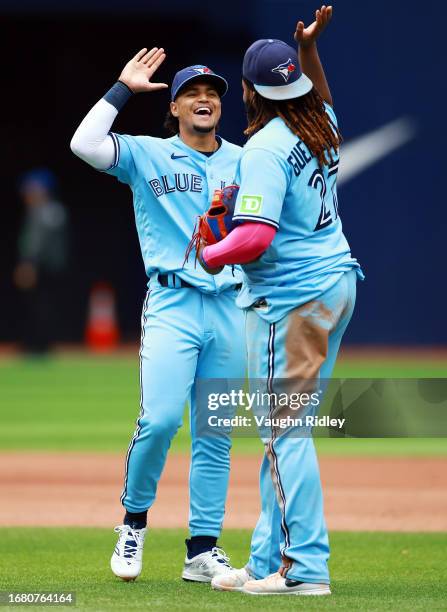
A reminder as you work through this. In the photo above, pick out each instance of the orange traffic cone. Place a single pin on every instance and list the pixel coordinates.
(102, 334)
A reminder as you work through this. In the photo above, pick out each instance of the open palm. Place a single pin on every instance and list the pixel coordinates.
(308, 36)
(137, 73)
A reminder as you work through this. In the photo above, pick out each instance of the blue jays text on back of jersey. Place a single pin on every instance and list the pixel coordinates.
(282, 184)
(172, 184)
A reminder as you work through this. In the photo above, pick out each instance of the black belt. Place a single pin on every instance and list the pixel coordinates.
(177, 282)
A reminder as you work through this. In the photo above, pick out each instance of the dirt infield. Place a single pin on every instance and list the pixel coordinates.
(71, 489)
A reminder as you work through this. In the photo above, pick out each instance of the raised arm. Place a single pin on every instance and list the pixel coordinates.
(308, 52)
(91, 141)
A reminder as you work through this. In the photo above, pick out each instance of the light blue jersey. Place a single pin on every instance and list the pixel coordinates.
(172, 184)
(282, 185)
(195, 332)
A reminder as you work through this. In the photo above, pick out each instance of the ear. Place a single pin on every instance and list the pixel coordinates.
(174, 109)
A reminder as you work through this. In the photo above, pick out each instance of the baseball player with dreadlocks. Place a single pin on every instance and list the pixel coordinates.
(191, 326)
(299, 293)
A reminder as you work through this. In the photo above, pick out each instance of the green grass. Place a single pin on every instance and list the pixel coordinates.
(370, 571)
(90, 404)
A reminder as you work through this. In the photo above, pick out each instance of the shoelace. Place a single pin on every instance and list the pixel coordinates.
(130, 545)
(219, 556)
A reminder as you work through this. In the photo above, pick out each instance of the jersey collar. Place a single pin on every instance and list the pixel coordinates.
(178, 142)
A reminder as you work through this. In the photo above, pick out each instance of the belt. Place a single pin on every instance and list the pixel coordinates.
(175, 282)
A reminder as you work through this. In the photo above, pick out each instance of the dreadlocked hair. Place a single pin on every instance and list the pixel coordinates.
(305, 116)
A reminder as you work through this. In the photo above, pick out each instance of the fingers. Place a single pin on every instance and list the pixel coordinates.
(158, 86)
(157, 60)
(140, 54)
(299, 31)
(324, 15)
(155, 57)
(147, 56)
(144, 55)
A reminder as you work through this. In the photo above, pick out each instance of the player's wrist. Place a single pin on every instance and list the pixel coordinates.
(118, 95)
(123, 82)
(308, 47)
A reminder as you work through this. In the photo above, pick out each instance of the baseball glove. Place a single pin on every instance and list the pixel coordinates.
(214, 225)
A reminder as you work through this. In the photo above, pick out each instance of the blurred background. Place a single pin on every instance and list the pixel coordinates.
(383, 67)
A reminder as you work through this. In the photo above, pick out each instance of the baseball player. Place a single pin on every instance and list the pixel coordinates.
(191, 327)
(299, 293)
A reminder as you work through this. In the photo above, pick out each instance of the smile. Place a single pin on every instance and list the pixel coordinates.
(203, 110)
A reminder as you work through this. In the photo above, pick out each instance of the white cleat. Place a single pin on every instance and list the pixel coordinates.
(203, 567)
(275, 584)
(231, 581)
(127, 558)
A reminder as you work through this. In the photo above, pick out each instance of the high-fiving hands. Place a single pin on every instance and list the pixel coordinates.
(306, 37)
(137, 73)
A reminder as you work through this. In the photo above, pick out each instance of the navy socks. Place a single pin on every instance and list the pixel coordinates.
(199, 544)
(195, 546)
(135, 520)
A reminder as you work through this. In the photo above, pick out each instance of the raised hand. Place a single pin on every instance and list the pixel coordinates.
(306, 37)
(137, 73)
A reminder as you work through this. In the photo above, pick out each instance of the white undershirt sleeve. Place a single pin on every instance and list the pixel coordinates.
(91, 141)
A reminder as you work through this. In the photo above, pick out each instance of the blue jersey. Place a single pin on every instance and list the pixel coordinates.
(172, 184)
(282, 185)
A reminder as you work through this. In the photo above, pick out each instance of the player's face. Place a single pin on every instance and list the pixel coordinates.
(197, 108)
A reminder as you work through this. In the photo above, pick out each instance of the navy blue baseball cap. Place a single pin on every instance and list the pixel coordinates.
(198, 72)
(273, 68)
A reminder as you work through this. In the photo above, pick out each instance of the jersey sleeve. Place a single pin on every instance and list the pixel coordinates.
(263, 185)
(123, 166)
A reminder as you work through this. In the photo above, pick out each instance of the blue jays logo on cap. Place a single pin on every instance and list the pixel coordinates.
(198, 71)
(203, 70)
(285, 69)
(273, 68)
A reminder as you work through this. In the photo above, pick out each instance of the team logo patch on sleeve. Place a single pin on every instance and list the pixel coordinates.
(251, 204)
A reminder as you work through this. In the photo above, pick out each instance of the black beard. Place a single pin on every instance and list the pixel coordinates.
(203, 130)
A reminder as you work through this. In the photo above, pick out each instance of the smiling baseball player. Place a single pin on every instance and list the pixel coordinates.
(191, 326)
